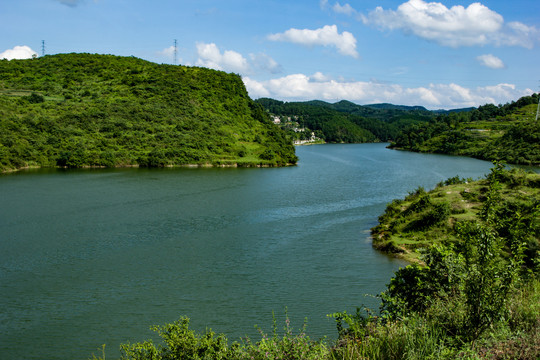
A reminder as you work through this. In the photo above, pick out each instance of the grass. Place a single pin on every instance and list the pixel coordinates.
(397, 225)
(429, 335)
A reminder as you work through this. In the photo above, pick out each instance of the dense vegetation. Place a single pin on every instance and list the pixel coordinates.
(507, 133)
(474, 294)
(345, 122)
(80, 110)
(423, 218)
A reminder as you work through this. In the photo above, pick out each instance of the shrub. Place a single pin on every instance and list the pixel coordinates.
(182, 343)
(432, 217)
(423, 201)
(35, 98)
(415, 287)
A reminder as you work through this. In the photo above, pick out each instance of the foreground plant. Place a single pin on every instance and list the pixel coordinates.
(468, 300)
(180, 342)
(286, 347)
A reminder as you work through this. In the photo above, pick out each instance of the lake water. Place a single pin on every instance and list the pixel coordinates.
(92, 257)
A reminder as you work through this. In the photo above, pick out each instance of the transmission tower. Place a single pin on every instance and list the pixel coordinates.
(42, 47)
(175, 51)
(538, 108)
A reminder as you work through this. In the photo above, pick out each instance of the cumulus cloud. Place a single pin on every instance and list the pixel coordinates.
(255, 88)
(300, 87)
(167, 53)
(18, 52)
(210, 56)
(325, 36)
(490, 61)
(456, 26)
(319, 77)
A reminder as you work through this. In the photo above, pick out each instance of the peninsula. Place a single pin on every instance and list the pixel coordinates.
(86, 110)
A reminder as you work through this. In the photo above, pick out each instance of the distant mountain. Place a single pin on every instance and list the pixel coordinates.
(442, 111)
(346, 122)
(384, 112)
(79, 110)
(386, 106)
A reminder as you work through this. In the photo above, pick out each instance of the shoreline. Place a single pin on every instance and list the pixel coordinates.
(187, 166)
(308, 142)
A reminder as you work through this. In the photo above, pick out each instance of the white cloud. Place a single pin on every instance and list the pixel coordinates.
(18, 52)
(232, 61)
(325, 36)
(168, 53)
(517, 34)
(210, 56)
(256, 89)
(490, 61)
(346, 9)
(300, 87)
(319, 77)
(456, 26)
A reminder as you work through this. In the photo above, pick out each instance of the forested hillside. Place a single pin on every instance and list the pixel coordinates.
(507, 133)
(79, 110)
(346, 122)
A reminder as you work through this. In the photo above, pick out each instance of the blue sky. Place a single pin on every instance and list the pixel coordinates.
(445, 54)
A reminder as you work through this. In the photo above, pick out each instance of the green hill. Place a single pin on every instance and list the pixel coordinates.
(344, 121)
(507, 133)
(387, 106)
(79, 110)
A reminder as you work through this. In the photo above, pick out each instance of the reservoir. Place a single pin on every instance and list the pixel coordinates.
(96, 256)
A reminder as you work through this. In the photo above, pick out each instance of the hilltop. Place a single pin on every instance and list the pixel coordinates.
(78, 110)
(388, 106)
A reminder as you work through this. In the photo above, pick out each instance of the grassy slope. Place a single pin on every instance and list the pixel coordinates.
(426, 218)
(102, 110)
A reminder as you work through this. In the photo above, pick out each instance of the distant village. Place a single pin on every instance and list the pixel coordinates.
(300, 135)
